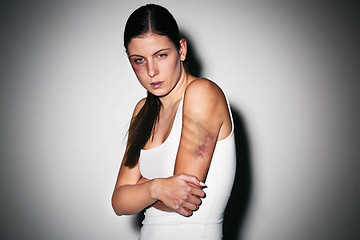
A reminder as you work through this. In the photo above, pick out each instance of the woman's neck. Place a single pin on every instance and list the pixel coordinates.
(177, 93)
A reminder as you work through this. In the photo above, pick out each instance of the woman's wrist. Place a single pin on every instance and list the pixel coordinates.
(153, 187)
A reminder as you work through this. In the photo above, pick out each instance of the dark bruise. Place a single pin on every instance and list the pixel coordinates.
(205, 149)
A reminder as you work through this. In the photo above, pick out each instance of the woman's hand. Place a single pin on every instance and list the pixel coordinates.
(180, 193)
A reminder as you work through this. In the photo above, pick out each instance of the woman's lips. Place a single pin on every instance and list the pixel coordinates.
(156, 85)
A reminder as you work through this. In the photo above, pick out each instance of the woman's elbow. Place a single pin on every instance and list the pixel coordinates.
(117, 212)
(116, 206)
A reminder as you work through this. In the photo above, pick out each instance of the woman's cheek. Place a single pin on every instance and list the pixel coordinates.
(136, 67)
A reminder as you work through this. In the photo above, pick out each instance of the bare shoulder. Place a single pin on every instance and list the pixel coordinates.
(138, 106)
(206, 104)
(204, 86)
(205, 93)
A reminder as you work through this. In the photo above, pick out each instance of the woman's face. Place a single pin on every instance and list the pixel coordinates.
(156, 63)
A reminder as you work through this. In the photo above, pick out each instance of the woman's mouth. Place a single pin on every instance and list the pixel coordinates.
(156, 85)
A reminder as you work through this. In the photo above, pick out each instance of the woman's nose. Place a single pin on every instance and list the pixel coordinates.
(152, 69)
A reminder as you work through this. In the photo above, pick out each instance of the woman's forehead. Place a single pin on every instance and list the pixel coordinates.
(149, 44)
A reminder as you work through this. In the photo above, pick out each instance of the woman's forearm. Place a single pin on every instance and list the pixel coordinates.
(131, 199)
(180, 193)
(158, 204)
(171, 193)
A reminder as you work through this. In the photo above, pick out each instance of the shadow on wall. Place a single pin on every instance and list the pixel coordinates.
(238, 202)
(192, 63)
(235, 211)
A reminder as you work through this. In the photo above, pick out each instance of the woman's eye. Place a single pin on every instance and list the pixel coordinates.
(138, 60)
(162, 55)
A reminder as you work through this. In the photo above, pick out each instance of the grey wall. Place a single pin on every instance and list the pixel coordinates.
(67, 93)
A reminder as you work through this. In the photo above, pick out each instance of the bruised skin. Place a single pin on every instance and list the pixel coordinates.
(205, 149)
(204, 115)
(197, 143)
(205, 121)
(197, 139)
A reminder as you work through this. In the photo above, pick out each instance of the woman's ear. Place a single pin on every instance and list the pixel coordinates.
(183, 49)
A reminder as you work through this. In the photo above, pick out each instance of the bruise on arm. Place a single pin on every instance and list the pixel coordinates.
(197, 139)
(205, 148)
(196, 148)
(203, 116)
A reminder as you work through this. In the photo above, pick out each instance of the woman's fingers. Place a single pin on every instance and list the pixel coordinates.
(191, 179)
(192, 203)
(185, 212)
(197, 192)
(196, 185)
(181, 193)
(187, 209)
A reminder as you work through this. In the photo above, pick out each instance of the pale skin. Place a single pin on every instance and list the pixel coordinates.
(206, 120)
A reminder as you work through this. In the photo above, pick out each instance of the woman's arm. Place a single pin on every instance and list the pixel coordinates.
(179, 193)
(158, 204)
(206, 119)
(131, 194)
(197, 201)
(129, 197)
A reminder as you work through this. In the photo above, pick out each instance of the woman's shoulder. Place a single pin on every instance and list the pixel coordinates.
(138, 106)
(203, 88)
(204, 98)
(205, 103)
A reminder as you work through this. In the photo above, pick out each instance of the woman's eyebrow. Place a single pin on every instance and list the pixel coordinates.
(137, 55)
(161, 50)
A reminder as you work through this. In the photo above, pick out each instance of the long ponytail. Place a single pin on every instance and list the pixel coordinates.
(141, 128)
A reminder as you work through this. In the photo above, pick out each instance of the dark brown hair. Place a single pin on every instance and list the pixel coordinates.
(150, 18)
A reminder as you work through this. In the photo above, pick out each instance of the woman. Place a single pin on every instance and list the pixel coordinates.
(180, 137)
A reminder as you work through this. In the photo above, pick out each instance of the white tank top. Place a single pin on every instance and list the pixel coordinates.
(159, 162)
